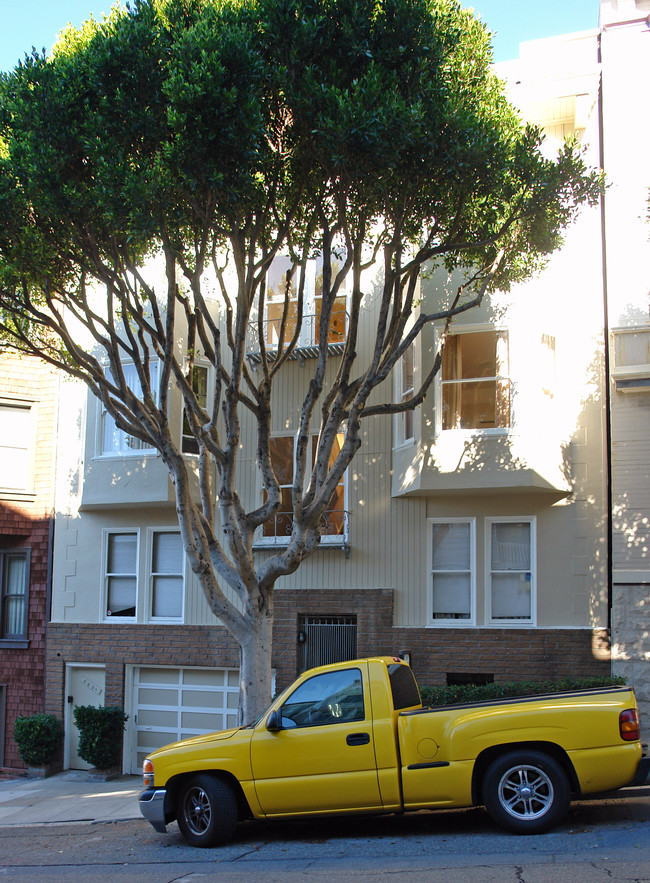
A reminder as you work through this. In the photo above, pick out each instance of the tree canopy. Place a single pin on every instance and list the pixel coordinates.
(209, 137)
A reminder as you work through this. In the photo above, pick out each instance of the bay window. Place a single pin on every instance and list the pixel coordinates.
(114, 441)
(475, 381)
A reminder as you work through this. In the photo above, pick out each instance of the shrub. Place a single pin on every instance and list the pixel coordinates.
(100, 734)
(38, 738)
(458, 693)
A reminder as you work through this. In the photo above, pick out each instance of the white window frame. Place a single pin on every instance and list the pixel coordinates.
(123, 450)
(25, 444)
(282, 539)
(451, 622)
(457, 331)
(402, 420)
(107, 533)
(151, 574)
(508, 622)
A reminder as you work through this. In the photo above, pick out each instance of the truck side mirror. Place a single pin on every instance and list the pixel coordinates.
(274, 721)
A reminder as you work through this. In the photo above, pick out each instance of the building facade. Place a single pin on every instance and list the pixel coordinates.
(28, 401)
(474, 535)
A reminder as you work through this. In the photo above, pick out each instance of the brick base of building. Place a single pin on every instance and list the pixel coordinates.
(436, 654)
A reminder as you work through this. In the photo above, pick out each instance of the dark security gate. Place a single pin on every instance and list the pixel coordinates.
(325, 639)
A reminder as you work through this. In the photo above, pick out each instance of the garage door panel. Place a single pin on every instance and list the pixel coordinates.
(149, 717)
(159, 675)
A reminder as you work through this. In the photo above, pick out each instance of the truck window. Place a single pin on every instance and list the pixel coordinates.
(403, 686)
(330, 698)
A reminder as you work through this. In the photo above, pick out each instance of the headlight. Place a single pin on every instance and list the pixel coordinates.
(147, 773)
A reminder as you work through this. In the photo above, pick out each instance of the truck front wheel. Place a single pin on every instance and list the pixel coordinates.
(206, 810)
(527, 792)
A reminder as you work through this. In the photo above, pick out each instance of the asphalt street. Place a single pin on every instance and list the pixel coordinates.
(602, 840)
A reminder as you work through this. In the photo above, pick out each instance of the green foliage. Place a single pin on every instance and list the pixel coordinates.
(459, 693)
(38, 737)
(100, 734)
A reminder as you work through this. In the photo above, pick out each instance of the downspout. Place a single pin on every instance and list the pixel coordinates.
(608, 394)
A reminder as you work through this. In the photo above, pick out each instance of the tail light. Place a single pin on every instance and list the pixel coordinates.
(628, 725)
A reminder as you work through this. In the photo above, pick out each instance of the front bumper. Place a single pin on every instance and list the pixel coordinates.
(152, 807)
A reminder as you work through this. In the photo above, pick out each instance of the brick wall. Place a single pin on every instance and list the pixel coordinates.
(26, 523)
(118, 645)
(507, 654)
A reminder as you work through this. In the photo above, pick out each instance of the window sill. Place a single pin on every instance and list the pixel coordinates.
(14, 643)
(16, 496)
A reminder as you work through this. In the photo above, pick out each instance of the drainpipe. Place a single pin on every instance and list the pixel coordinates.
(608, 393)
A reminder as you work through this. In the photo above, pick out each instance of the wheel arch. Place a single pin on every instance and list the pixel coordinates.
(489, 755)
(175, 784)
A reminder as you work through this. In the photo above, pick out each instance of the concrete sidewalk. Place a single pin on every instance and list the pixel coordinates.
(68, 797)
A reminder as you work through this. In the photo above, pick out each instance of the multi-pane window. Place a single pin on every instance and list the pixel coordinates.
(332, 523)
(113, 440)
(475, 381)
(121, 574)
(510, 546)
(14, 581)
(453, 569)
(189, 444)
(312, 304)
(15, 432)
(166, 575)
(405, 391)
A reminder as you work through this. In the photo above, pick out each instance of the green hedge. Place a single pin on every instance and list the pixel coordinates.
(458, 693)
(38, 738)
(100, 734)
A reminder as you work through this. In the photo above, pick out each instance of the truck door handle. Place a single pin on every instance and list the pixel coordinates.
(358, 739)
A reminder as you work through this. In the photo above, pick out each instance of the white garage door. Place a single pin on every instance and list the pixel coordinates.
(175, 703)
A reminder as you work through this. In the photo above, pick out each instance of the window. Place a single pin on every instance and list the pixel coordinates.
(189, 444)
(453, 569)
(404, 429)
(511, 585)
(312, 306)
(631, 363)
(113, 440)
(333, 519)
(14, 582)
(15, 437)
(475, 382)
(166, 575)
(121, 574)
(332, 698)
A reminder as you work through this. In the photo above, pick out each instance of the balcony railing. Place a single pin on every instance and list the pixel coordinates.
(307, 345)
(333, 526)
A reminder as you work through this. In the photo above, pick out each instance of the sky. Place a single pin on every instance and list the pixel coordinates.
(27, 23)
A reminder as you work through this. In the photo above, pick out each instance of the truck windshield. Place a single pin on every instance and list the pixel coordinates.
(403, 686)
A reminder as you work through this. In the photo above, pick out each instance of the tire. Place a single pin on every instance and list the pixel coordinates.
(206, 810)
(526, 792)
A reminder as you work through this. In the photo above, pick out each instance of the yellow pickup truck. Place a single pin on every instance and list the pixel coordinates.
(353, 738)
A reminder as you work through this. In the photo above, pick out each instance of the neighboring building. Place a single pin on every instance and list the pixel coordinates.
(28, 398)
(625, 53)
(596, 76)
(473, 534)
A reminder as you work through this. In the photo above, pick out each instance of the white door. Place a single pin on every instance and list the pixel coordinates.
(85, 686)
(174, 703)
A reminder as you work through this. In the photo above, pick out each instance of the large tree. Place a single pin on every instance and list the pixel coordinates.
(207, 137)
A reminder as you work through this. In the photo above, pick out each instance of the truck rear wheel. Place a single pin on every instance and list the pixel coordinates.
(527, 792)
(206, 810)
